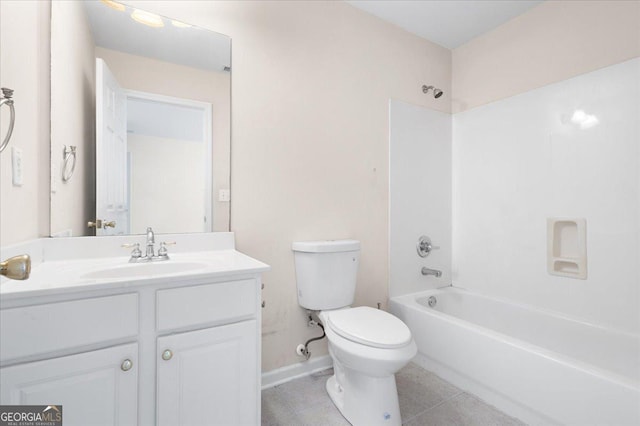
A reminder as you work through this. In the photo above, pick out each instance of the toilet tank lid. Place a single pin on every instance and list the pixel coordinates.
(329, 246)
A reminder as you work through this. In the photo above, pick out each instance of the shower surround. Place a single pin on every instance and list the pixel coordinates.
(568, 149)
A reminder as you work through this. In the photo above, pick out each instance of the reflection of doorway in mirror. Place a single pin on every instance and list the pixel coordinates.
(169, 145)
(153, 164)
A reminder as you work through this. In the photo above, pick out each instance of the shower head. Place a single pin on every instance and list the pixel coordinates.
(436, 92)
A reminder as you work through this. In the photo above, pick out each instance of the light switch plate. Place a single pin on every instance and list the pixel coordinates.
(16, 166)
(224, 195)
(54, 178)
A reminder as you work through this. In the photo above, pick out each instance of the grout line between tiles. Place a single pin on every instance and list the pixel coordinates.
(442, 402)
(404, 421)
(457, 394)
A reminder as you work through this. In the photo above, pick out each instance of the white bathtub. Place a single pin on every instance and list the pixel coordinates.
(538, 366)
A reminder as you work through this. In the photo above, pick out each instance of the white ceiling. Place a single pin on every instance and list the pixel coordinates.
(449, 23)
(193, 47)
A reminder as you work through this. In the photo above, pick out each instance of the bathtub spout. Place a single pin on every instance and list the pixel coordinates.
(434, 272)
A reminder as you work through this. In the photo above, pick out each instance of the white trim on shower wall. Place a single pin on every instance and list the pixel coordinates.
(294, 371)
(420, 176)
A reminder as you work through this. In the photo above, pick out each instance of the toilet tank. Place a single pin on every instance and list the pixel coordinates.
(326, 273)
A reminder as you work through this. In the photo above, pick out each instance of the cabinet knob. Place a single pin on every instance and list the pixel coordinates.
(127, 364)
(167, 355)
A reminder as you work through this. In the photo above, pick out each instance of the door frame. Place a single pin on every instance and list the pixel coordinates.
(206, 109)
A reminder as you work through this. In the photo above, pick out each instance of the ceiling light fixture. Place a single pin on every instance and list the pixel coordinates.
(148, 19)
(180, 24)
(114, 5)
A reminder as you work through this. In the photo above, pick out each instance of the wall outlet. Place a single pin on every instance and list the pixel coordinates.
(16, 166)
(224, 195)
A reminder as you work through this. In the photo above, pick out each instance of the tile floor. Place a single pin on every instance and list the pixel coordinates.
(425, 399)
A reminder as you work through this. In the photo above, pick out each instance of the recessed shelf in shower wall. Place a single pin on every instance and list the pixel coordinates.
(567, 247)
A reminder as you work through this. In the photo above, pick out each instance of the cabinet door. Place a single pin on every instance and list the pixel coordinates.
(94, 388)
(209, 377)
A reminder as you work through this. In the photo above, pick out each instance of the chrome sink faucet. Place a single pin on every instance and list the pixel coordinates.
(151, 241)
(150, 256)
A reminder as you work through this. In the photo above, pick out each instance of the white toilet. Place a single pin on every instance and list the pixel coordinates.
(368, 346)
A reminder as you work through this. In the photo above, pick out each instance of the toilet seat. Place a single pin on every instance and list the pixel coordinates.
(370, 327)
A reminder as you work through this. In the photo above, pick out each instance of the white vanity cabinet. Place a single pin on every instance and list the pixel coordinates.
(97, 387)
(73, 353)
(208, 377)
(179, 351)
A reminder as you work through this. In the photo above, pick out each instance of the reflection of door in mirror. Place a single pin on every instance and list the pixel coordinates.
(112, 205)
(151, 153)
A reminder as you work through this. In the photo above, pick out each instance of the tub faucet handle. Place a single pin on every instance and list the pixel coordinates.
(424, 246)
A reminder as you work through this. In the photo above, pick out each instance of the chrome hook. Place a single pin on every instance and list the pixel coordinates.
(69, 155)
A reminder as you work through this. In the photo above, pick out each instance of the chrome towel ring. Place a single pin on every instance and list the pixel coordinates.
(69, 158)
(8, 93)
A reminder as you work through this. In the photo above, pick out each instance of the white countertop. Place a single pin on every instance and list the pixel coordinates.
(52, 273)
(58, 277)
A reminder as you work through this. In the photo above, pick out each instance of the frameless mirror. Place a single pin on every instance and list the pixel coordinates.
(140, 122)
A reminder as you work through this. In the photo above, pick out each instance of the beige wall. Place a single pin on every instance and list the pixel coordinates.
(552, 42)
(164, 78)
(311, 86)
(24, 67)
(73, 70)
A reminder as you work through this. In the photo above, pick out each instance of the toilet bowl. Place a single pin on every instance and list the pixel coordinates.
(368, 346)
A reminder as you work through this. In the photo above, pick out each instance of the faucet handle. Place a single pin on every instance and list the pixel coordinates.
(136, 252)
(162, 251)
(424, 246)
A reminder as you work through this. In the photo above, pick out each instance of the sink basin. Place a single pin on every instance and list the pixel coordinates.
(136, 270)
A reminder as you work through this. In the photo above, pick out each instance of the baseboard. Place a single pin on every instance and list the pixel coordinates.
(290, 372)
